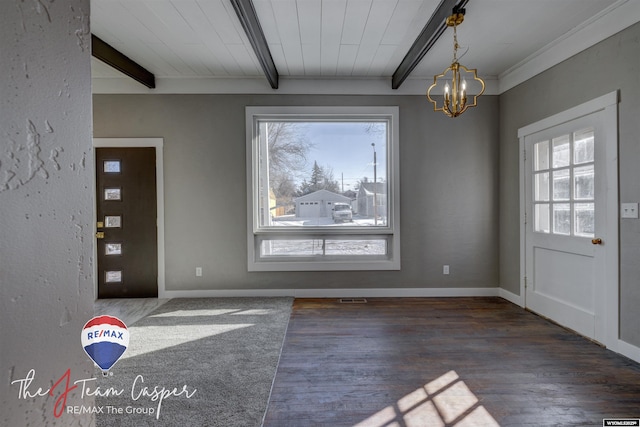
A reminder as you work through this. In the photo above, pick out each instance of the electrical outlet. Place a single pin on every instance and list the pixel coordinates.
(445, 269)
(629, 210)
(198, 271)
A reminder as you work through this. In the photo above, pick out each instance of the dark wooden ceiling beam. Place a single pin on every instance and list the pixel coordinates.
(116, 59)
(249, 20)
(425, 41)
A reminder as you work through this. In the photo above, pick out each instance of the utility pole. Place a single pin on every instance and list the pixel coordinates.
(375, 185)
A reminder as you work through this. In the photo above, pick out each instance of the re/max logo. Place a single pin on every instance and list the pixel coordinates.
(621, 422)
(105, 333)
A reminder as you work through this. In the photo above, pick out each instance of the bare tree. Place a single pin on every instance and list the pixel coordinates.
(288, 148)
(375, 128)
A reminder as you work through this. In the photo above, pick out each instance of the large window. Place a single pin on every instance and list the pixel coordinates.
(323, 189)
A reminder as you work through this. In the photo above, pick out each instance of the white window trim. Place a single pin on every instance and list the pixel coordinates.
(323, 264)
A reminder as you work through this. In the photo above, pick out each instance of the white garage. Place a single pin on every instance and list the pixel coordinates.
(318, 204)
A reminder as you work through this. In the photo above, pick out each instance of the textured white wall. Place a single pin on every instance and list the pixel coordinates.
(46, 283)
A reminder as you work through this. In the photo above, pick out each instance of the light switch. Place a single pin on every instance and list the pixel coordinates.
(629, 210)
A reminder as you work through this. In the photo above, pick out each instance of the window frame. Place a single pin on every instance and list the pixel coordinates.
(256, 234)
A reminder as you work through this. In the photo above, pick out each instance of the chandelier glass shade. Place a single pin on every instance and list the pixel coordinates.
(459, 86)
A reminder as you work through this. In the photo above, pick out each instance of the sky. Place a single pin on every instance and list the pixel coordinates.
(346, 148)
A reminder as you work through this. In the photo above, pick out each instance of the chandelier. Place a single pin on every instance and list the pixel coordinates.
(453, 80)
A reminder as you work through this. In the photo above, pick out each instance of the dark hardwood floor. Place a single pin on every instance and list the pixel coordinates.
(443, 362)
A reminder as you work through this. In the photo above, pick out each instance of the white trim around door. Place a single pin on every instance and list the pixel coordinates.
(158, 144)
(607, 314)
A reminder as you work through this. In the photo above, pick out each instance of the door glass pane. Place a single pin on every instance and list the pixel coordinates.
(541, 190)
(112, 194)
(562, 218)
(541, 156)
(561, 187)
(561, 151)
(541, 218)
(583, 146)
(113, 276)
(113, 249)
(583, 179)
(112, 221)
(584, 219)
(112, 166)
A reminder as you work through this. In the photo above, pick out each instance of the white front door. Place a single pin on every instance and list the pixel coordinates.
(568, 231)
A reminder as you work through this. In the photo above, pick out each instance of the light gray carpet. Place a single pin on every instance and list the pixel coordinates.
(227, 349)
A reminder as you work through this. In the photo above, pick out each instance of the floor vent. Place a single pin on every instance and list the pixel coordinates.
(353, 300)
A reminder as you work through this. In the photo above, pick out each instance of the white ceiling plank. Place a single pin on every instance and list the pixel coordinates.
(400, 22)
(121, 22)
(167, 13)
(286, 15)
(216, 55)
(333, 13)
(170, 57)
(420, 19)
(245, 59)
(355, 19)
(380, 60)
(346, 59)
(158, 65)
(312, 60)
(201, 60)
(379, 16)
(310, 21)
(310, 24)
(221, 20)
(264, 12)
(142, 11)
(101, 18)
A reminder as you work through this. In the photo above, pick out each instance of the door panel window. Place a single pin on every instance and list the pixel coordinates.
(112, 194)
(113, 221)
(569, 181)
(113, 249)
(113, 276)
(112, 166)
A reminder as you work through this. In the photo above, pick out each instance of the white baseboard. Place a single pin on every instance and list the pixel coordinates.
(628, 350)
(511, 297)
(336, 293)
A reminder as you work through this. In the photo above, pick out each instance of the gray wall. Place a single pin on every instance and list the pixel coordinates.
(613, 64)
(449, 189)
(46, 283)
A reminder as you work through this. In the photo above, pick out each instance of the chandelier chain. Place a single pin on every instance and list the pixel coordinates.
(455, 43)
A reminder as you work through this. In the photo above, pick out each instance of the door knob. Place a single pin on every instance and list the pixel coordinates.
(597, 241)
(100, 235)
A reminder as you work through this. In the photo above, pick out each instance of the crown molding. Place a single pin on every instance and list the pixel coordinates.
(620, 15)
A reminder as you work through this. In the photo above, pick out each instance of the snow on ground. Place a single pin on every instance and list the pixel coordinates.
(313, 247)
(328, 247)
(293, 221)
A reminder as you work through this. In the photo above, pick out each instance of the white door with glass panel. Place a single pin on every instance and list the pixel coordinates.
(565, 224)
